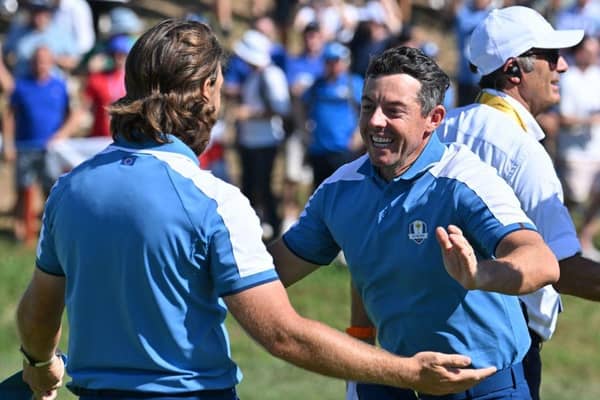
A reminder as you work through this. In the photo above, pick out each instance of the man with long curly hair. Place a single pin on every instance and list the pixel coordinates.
(148, 252)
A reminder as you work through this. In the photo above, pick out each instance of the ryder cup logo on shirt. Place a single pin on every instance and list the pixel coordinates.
(417, 231)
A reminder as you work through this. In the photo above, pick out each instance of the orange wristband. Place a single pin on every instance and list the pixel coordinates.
(361, 332)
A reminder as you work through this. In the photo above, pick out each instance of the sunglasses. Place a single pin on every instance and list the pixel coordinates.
(550, 55)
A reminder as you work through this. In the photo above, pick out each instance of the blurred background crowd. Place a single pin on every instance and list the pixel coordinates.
(292, 91)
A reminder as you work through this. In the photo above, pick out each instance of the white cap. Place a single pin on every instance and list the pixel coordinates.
(254, 48)
(509, 32)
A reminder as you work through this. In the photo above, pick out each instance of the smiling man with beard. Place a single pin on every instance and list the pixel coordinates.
(434, 240)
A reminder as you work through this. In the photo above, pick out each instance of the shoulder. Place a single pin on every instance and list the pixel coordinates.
(484, 123)
(470, 178)
(460, 164)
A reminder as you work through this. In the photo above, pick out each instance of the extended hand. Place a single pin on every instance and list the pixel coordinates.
(44, 381)
(439, 373)
(459, 257)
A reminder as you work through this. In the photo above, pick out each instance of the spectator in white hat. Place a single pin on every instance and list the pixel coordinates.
(264, 100)
(518, 54)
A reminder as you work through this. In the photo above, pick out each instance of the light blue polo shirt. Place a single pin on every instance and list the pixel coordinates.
(387, 232)
(149, 244)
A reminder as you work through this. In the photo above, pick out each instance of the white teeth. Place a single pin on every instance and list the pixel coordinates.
(377, 140)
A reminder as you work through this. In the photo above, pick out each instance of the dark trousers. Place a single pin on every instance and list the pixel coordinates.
(257, 168)
(532, 364)
(324, 165)
(109, 394)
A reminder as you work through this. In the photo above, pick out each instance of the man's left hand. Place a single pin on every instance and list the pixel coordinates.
(459, 257)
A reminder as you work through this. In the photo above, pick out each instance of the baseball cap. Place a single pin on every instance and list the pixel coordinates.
(336, 51)
(511, 31)
(120, 44)
(254, 48)
(124, 20)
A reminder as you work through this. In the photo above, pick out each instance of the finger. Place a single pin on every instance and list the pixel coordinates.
(453, 360)
(454, 229)
(483, 373)
(465, 379)
(461, 244)
(443, 238)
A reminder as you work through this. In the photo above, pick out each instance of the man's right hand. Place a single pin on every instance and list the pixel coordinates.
(44, 381)
(438, 373)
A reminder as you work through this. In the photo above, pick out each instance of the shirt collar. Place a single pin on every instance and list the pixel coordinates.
(173, 145)
(532, 125)
(431, 154)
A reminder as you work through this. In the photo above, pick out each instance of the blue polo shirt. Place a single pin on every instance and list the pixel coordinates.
(41, 108)
(149, 244)
(387, 232)
(333, 108)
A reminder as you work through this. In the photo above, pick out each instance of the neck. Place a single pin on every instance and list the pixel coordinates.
(516, 94)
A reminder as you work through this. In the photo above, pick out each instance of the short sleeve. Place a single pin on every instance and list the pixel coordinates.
(238, 257)
(310, 238)
(46, 258)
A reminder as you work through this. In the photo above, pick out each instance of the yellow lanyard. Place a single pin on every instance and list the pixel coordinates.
(500, 104)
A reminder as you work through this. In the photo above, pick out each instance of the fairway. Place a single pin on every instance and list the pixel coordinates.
(571, 358)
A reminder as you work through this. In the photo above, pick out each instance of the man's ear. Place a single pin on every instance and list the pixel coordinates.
(435, 118)
(208, 88)
(513, 71)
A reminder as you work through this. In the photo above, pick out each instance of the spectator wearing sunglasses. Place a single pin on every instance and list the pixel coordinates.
(517, 52)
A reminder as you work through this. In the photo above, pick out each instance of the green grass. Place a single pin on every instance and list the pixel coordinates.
(571, 358)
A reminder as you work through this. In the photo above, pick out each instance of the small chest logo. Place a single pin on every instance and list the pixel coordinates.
(417, 231)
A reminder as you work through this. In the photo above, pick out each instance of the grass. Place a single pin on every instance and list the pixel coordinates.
(571, 358)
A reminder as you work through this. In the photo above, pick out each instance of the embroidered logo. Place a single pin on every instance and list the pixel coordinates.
(417, 231)
(128, 160)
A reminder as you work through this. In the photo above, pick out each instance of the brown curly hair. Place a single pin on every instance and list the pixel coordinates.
(165, 73)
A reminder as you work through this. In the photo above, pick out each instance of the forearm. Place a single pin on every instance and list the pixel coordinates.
(68, 63)
(526, 269)
(70, 126)
(39, 315)
(323, 350)
(39, 331)
(361, 326)
(8, 126)
(579, 277)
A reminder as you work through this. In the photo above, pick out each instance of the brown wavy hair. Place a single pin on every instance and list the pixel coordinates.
(165, 73)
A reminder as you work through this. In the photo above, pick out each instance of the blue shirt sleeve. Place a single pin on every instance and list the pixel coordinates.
(238, 257)
(46, 257)
(486, 222)
(310, 238)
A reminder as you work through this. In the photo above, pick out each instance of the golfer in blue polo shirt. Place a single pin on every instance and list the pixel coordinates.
(435, 241)
(148, 253)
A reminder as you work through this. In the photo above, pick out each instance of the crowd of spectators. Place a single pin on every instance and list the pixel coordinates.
(292, 87)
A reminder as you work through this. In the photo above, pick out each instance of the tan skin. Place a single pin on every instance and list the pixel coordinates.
(395, 131)
(266, 314)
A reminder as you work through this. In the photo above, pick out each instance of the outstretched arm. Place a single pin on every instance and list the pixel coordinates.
(39, 323)
(266, 314)
(579, 276)
(522, 265)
